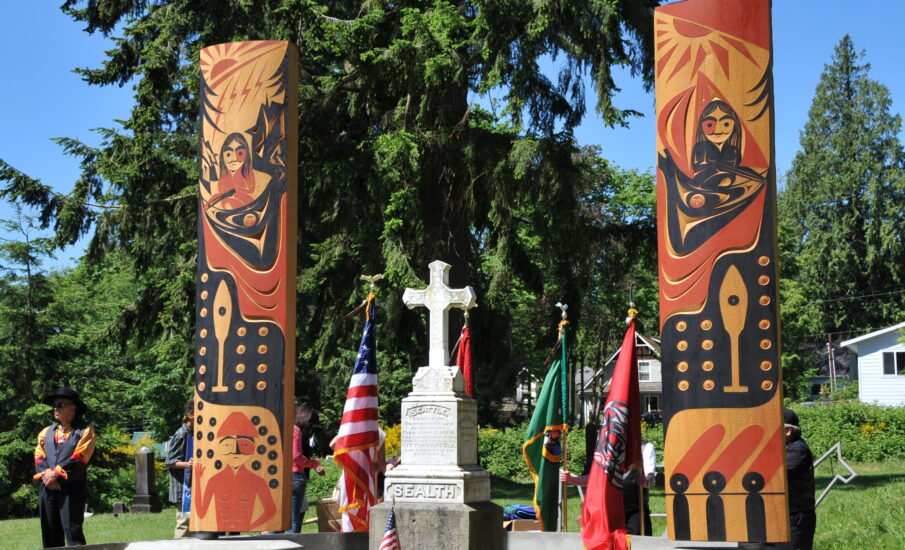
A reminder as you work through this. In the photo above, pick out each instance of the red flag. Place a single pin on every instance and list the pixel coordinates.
(463, 360)
(618, 451)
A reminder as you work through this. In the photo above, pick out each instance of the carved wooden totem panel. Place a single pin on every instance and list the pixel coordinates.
(245, 312)
(716, 213)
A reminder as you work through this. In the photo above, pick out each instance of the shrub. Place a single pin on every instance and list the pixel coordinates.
(393, 441)
(500, 452)
(868, 432)
(654, 434)
(111, 472)
(25, 499)
(845, 392)
(322, 486)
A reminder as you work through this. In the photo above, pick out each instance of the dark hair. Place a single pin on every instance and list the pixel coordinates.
(246, 164)
(188, 411)
(735, 138)
(305, 418)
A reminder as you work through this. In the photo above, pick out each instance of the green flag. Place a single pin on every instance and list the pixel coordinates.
(543, 447)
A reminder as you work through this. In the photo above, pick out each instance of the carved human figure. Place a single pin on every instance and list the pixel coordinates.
(236, 185)
(716, 157)
(235, 486)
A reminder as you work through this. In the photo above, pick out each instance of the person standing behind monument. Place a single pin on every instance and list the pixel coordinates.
(305, 420)
(800, 474)
(178, 463)
(630, 501)
(61, 464)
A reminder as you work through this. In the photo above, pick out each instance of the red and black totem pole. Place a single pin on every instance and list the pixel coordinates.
(245, 311)
(716, 212)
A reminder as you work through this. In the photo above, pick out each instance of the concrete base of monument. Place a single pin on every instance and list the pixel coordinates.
(436, 526)
(535, 540)
(437, 484)
(312, 541)
(433, 525)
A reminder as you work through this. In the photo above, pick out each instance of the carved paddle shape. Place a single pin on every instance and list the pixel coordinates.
(223, 312)
(734, 308)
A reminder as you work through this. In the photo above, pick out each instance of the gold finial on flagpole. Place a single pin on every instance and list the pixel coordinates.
(632, 312)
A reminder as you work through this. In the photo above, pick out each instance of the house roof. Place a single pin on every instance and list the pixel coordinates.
(853, 343)
(640, 341)
(652, 343)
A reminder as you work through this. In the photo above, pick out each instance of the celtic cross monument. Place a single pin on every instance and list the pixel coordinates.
(442, 495)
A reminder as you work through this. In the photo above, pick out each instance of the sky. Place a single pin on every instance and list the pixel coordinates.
(44, 99)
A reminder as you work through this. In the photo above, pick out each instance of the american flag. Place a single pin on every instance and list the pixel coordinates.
(390, 535)
(358, 439)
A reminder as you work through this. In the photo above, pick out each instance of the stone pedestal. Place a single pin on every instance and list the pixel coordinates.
(439, 443)
(441, 493)
(473, 526)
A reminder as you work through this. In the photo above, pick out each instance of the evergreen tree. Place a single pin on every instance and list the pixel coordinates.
(842, 213)
(57, 329)
(27, 360)
(398, 167)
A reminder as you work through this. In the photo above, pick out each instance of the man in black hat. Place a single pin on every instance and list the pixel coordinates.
(800, 474)
(61, 464)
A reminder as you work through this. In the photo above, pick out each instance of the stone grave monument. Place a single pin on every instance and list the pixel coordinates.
(146, 499)
(441, 494)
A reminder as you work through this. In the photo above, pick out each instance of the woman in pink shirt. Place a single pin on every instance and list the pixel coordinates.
(305, 419)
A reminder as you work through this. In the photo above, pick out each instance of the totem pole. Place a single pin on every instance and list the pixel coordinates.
(245, 310)
(716, 213)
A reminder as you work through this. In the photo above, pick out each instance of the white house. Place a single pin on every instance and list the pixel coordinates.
(881, 366)
(650, 381)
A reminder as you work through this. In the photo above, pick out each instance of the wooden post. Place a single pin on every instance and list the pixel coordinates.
(245, 312)
(716, 210)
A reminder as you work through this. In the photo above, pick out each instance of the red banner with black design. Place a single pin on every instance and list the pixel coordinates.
(618, 451)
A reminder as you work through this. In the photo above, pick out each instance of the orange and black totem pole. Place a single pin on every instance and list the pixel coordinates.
(716, 214)
(245, 311)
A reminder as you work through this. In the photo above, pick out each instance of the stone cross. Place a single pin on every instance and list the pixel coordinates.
(438, 299)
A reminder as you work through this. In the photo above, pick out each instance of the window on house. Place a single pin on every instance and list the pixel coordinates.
(644, 371)
(894, 362)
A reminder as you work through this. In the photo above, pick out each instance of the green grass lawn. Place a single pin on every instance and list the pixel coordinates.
(25, 534)
(869, 513)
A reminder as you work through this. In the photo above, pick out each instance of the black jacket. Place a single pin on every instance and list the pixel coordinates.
(800, 470)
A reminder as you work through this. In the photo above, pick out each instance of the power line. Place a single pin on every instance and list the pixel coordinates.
(845, 298)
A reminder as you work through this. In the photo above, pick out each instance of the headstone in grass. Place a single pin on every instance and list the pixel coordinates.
(146, 499)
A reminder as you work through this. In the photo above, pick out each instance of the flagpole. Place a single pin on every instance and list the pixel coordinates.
(639, 470)
(564, 489)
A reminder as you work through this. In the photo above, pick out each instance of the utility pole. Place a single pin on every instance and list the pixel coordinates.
(831, 357)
